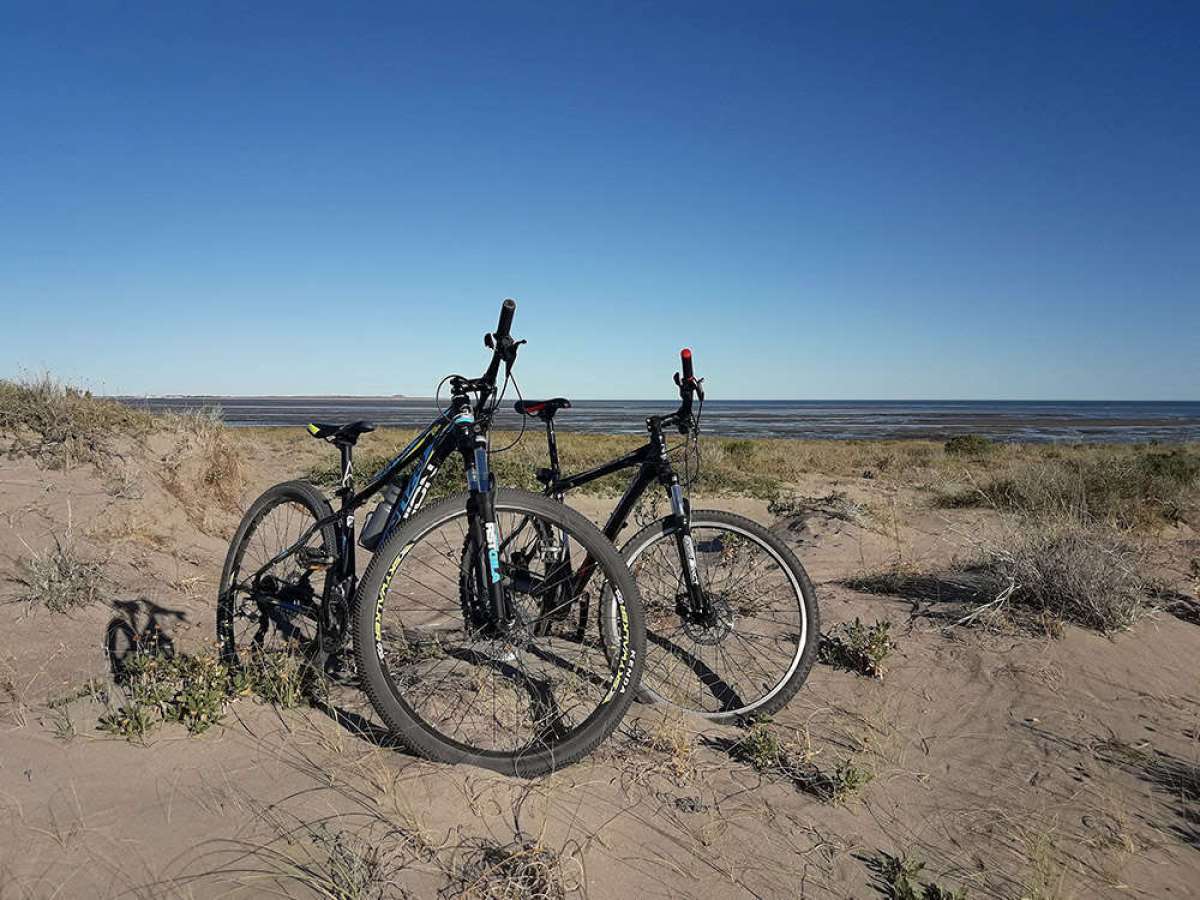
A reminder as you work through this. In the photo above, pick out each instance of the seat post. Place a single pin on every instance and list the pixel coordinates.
(347, 452)
(552, 446)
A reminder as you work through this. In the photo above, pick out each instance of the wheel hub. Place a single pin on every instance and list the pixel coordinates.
(712, 628)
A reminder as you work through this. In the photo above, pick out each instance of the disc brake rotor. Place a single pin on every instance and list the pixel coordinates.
(718, 626)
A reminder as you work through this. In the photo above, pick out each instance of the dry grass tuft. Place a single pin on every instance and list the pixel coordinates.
(1043, 574)
(203, 469)
(521, 868)
(61, 426)
(354, 856)
(833, 506)
(59, 580)
(672, 739)
(1063, 571)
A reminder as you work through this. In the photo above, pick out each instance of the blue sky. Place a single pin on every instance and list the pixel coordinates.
(841, 200)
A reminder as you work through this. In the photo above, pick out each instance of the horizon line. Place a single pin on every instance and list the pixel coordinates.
(647, 399)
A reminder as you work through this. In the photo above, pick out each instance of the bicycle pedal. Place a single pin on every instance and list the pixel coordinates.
(314, 560)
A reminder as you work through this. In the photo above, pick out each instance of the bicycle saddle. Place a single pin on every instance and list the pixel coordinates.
(340, 434)
(543, 409)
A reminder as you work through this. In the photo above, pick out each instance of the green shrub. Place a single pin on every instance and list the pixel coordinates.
(847, 780)
(898, 880)
(761, 748)
(858, 647)
(196, 690)
(969, 445)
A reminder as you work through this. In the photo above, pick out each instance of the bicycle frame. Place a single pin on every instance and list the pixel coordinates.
(460, 431)
(652, 465)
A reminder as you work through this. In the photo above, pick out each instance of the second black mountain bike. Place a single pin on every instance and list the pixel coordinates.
(731, 616)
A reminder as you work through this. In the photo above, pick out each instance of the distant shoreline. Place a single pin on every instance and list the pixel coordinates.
(135, 398)
(1017, 421)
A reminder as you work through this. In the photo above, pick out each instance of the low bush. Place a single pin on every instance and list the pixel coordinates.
(1043, 573)
(1123, 489)
(898, 879)
(761, 748)
(969, 445)
(858, 647)
(195, 690)
(1066, 571)
(846, 781)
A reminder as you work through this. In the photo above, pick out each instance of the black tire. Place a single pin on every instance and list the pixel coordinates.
(275, 521)
(683, 663)
(414, 642)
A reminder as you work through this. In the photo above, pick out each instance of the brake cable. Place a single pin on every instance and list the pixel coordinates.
(521, 433)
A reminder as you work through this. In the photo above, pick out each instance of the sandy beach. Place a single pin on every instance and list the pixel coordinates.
(1011, 755)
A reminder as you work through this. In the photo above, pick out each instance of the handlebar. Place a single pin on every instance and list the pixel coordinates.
(504, 348)
(689, 386)
(507, 308)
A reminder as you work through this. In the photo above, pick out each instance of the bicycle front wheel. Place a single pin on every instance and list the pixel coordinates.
(755, 648)
(524, 699)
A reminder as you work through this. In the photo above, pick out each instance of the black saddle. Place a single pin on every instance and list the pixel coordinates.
(340, 434)
(543, 409)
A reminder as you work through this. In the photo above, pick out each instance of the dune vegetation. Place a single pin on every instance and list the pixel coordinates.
(1006, 702)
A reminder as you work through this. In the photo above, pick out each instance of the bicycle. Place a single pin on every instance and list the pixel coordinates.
(502, 679)
(731, 616)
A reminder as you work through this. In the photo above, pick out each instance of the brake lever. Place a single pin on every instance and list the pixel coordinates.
(511, 357)
(697, 385)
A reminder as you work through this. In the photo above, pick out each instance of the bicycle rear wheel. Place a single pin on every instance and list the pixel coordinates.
(522, 701)
(760, 642)
(269, 602)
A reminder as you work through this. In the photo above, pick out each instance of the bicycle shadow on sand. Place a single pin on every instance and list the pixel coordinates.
(141, 626)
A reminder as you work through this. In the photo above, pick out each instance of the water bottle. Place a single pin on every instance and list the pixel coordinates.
(377, 521)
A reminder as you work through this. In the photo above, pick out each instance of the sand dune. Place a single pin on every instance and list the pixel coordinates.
(1006, 760)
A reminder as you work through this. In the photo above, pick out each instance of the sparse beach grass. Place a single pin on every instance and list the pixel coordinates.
(60, 425)
(59, 579)
(1065, 539)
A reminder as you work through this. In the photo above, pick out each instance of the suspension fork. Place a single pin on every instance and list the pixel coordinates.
(681, 512)
(481, 517)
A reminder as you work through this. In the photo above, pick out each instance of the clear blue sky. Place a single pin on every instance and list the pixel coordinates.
(839, 200)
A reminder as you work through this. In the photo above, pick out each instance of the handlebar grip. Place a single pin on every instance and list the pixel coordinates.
(685, 357)
(507, 308)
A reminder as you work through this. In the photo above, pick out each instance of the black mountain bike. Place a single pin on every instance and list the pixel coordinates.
(504, 676)
(731, 616)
